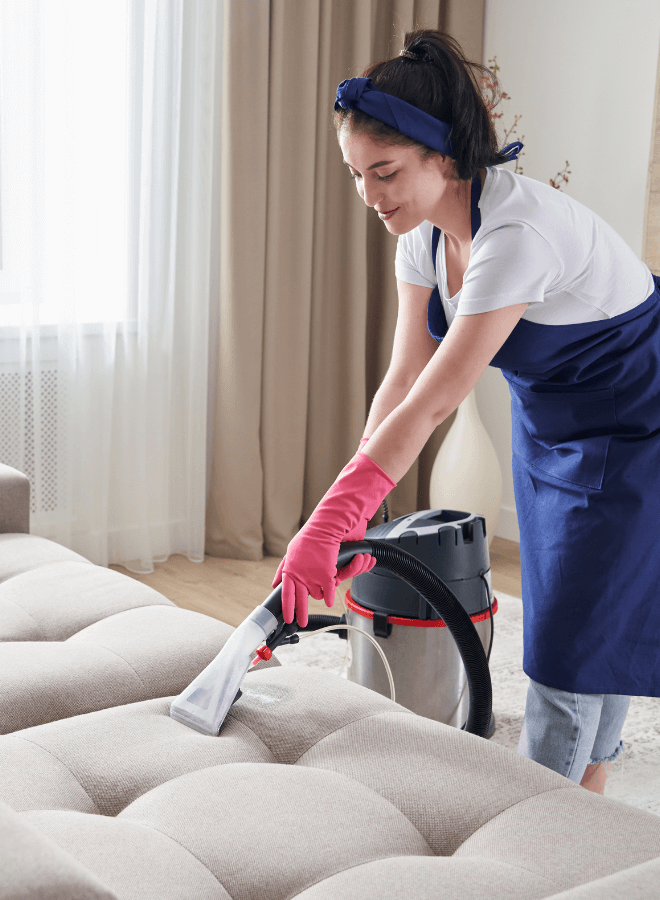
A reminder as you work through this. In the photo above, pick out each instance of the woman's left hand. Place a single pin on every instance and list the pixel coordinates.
(310, 564)
(310, 568)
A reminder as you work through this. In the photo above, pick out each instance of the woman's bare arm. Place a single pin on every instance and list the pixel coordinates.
(449, 376)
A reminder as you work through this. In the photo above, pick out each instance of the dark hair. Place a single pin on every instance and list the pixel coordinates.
(435, 76)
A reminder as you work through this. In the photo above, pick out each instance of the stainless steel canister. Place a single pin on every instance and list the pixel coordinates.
(427, 669)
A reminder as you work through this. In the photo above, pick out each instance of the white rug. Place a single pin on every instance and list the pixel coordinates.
(634, 778)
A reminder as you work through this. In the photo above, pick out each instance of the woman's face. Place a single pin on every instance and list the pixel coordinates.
(403, 189)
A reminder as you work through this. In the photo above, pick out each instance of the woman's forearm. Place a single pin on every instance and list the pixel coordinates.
(397, 428)
(400, 439)
(386, 399)
(450, 375)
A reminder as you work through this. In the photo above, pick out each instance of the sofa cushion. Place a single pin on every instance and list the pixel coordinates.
(135, 860)
(138, 654)
(24, 552)
(75, 637)
(55, 601)
(33, 866)
(107, 759)
(316, 788)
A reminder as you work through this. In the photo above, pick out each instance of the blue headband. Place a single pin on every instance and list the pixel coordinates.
(362, 93)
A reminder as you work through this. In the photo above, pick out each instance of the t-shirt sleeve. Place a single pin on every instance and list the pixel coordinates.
(413, 263)
(511, 264)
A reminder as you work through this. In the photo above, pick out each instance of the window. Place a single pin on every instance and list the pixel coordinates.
(64, 122)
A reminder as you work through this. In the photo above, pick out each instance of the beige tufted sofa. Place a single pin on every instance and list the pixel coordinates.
(317, 788)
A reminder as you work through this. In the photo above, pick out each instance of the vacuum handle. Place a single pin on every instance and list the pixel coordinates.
(347, 551)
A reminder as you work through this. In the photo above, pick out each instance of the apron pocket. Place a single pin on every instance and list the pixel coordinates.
(565, 434)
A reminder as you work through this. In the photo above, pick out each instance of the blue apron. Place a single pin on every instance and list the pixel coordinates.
(585, 411)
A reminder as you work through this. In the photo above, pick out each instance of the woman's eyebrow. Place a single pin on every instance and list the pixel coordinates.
(383, 162)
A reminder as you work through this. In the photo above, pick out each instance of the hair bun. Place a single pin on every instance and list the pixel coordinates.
(418, 54)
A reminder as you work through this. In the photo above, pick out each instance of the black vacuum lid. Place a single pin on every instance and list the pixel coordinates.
(450, 542)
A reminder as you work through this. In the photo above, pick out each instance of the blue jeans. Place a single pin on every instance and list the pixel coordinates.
(566, 732)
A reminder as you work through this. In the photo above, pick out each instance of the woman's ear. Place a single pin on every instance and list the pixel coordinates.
(446, 165)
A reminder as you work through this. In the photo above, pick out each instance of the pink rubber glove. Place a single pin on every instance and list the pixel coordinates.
(310, 564)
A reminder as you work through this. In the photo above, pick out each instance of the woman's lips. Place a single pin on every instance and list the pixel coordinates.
(387, 215)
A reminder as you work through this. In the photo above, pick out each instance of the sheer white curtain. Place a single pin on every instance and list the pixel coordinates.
(107, 143)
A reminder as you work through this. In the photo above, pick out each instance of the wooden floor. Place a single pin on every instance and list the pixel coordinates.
(229, 589)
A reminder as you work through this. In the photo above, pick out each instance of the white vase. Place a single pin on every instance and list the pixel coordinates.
(466, 474)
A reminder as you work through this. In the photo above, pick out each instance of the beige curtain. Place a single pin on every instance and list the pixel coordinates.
(308, 302)
(651, 246)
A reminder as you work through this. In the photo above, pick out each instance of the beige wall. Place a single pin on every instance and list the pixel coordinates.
(582, 76)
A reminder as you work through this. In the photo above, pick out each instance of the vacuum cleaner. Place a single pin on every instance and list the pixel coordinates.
(205, 703)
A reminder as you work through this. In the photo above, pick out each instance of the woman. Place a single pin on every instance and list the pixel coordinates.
(502, 270)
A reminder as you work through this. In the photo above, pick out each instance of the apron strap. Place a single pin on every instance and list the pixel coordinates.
(435, 239)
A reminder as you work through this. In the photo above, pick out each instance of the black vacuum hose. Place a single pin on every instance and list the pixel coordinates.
(445, 603)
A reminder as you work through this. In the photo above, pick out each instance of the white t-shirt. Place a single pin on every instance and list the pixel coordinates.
(535, 245)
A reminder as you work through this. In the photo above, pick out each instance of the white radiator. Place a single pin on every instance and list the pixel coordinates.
(45, 494)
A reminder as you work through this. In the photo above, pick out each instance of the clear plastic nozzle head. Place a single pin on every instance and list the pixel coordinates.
(204, 704)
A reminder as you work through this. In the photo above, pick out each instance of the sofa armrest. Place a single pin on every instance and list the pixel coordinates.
(14, 501)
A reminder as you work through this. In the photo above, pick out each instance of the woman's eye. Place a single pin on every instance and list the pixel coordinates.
(355, 175)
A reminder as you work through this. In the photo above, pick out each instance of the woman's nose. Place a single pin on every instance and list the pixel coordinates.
(371, 193)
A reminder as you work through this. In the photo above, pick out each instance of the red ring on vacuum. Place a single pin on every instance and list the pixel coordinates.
(414, 623)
